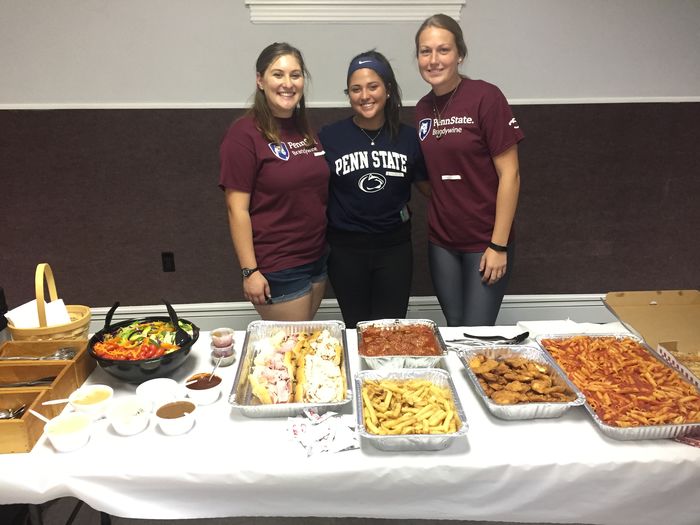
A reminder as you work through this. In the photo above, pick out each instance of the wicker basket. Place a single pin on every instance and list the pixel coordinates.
(79, 315)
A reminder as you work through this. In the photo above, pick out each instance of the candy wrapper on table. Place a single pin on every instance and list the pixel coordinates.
(317, 433)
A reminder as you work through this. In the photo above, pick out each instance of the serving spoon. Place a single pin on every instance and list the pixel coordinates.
(218, 362)
(62, 354)
(12, 413)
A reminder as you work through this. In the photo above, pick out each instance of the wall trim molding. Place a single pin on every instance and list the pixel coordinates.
(349, 11)
(331, 104)
(579, 307)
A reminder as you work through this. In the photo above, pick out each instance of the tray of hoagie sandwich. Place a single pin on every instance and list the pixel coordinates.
(286, 367)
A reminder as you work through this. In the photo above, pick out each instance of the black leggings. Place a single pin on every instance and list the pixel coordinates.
(464, 299)
(371, 283)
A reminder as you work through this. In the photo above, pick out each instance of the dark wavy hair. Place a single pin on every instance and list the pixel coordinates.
(448, 23)
(260, 110)
(392, 108)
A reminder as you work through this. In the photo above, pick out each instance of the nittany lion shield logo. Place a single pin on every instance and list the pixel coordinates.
(424, 128)
(280, 150)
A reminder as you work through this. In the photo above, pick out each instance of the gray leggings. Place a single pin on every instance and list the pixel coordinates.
(464, 299)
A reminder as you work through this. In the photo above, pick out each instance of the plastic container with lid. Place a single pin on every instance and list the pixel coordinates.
(222, 343)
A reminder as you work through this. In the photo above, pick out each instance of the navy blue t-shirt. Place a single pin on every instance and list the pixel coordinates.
(370, 185)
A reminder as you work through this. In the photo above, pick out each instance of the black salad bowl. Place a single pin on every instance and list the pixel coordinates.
(140, 370)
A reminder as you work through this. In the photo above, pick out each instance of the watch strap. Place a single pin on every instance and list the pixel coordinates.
(497, 247)
(247, 272)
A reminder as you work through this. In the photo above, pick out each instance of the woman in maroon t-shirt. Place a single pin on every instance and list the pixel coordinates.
(469, 141)
(276, 184)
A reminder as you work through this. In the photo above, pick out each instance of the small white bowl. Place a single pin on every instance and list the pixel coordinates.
(69, 431)
(92, 400)
(176, 417)
(129, 415)
(159, 391)
(222, 337)
(201, 390)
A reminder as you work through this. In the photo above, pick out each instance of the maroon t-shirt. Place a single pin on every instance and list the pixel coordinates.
(475, 124)
(288, 186)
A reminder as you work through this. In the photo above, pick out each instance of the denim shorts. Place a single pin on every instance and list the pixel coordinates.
(292, 283)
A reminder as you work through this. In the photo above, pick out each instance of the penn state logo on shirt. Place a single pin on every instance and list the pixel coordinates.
(424, 128)
(372, 182)
(280, 150)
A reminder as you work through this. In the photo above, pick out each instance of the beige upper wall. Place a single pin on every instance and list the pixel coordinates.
(150, 53)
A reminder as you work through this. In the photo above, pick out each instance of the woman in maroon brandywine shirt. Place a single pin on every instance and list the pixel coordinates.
(469, 139)
(276, 184)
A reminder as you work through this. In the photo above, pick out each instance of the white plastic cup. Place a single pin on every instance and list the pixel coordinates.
(159, 391)
(129, 415)
(176, 417)
(93, 400)
(202, 390)
(69, 431)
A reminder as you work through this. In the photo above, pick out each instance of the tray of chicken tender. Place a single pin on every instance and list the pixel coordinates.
(408, 409)
(400, 343)
(286, 367)
(519, 382)
(631, 392)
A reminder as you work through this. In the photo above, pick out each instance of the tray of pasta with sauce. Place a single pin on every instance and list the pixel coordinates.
(286, 367)
(400, 343)
(519, 382)
(631, 392)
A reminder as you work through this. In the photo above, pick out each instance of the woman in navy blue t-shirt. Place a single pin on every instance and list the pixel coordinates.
(373, 160)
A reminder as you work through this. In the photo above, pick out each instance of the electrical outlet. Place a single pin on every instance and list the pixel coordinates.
(168, 259)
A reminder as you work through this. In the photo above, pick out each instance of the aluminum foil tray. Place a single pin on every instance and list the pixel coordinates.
(533, 410)
(629, 433)
(241, 396)
(402, 361)
(409, 442)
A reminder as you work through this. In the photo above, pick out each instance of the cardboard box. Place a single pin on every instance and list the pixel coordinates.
(668, 320)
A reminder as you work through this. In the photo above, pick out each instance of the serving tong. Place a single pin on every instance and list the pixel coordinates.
(488, 340)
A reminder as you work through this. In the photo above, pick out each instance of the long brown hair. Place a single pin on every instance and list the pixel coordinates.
(261, 112)
(447, 23)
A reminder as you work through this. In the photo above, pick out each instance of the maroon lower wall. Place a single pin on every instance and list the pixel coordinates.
(609, 201)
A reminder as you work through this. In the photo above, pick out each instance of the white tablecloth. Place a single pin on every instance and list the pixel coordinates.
(562, 470)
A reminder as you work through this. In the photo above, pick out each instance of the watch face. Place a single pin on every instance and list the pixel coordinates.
(247, 272)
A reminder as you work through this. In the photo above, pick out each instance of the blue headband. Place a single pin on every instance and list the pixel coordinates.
(371, 63)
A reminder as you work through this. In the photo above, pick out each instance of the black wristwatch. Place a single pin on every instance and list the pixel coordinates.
(247, 272)
(498, 247)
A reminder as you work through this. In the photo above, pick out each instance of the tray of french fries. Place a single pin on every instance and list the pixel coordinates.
(519, 382)
(400, 343)
(631, 392)
(408, 409)
(286, 367)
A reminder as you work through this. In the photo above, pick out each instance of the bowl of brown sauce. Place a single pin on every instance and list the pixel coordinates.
(176, 417)
(203, 388)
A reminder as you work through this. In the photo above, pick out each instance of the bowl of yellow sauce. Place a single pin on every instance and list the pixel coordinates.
(92, 400)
